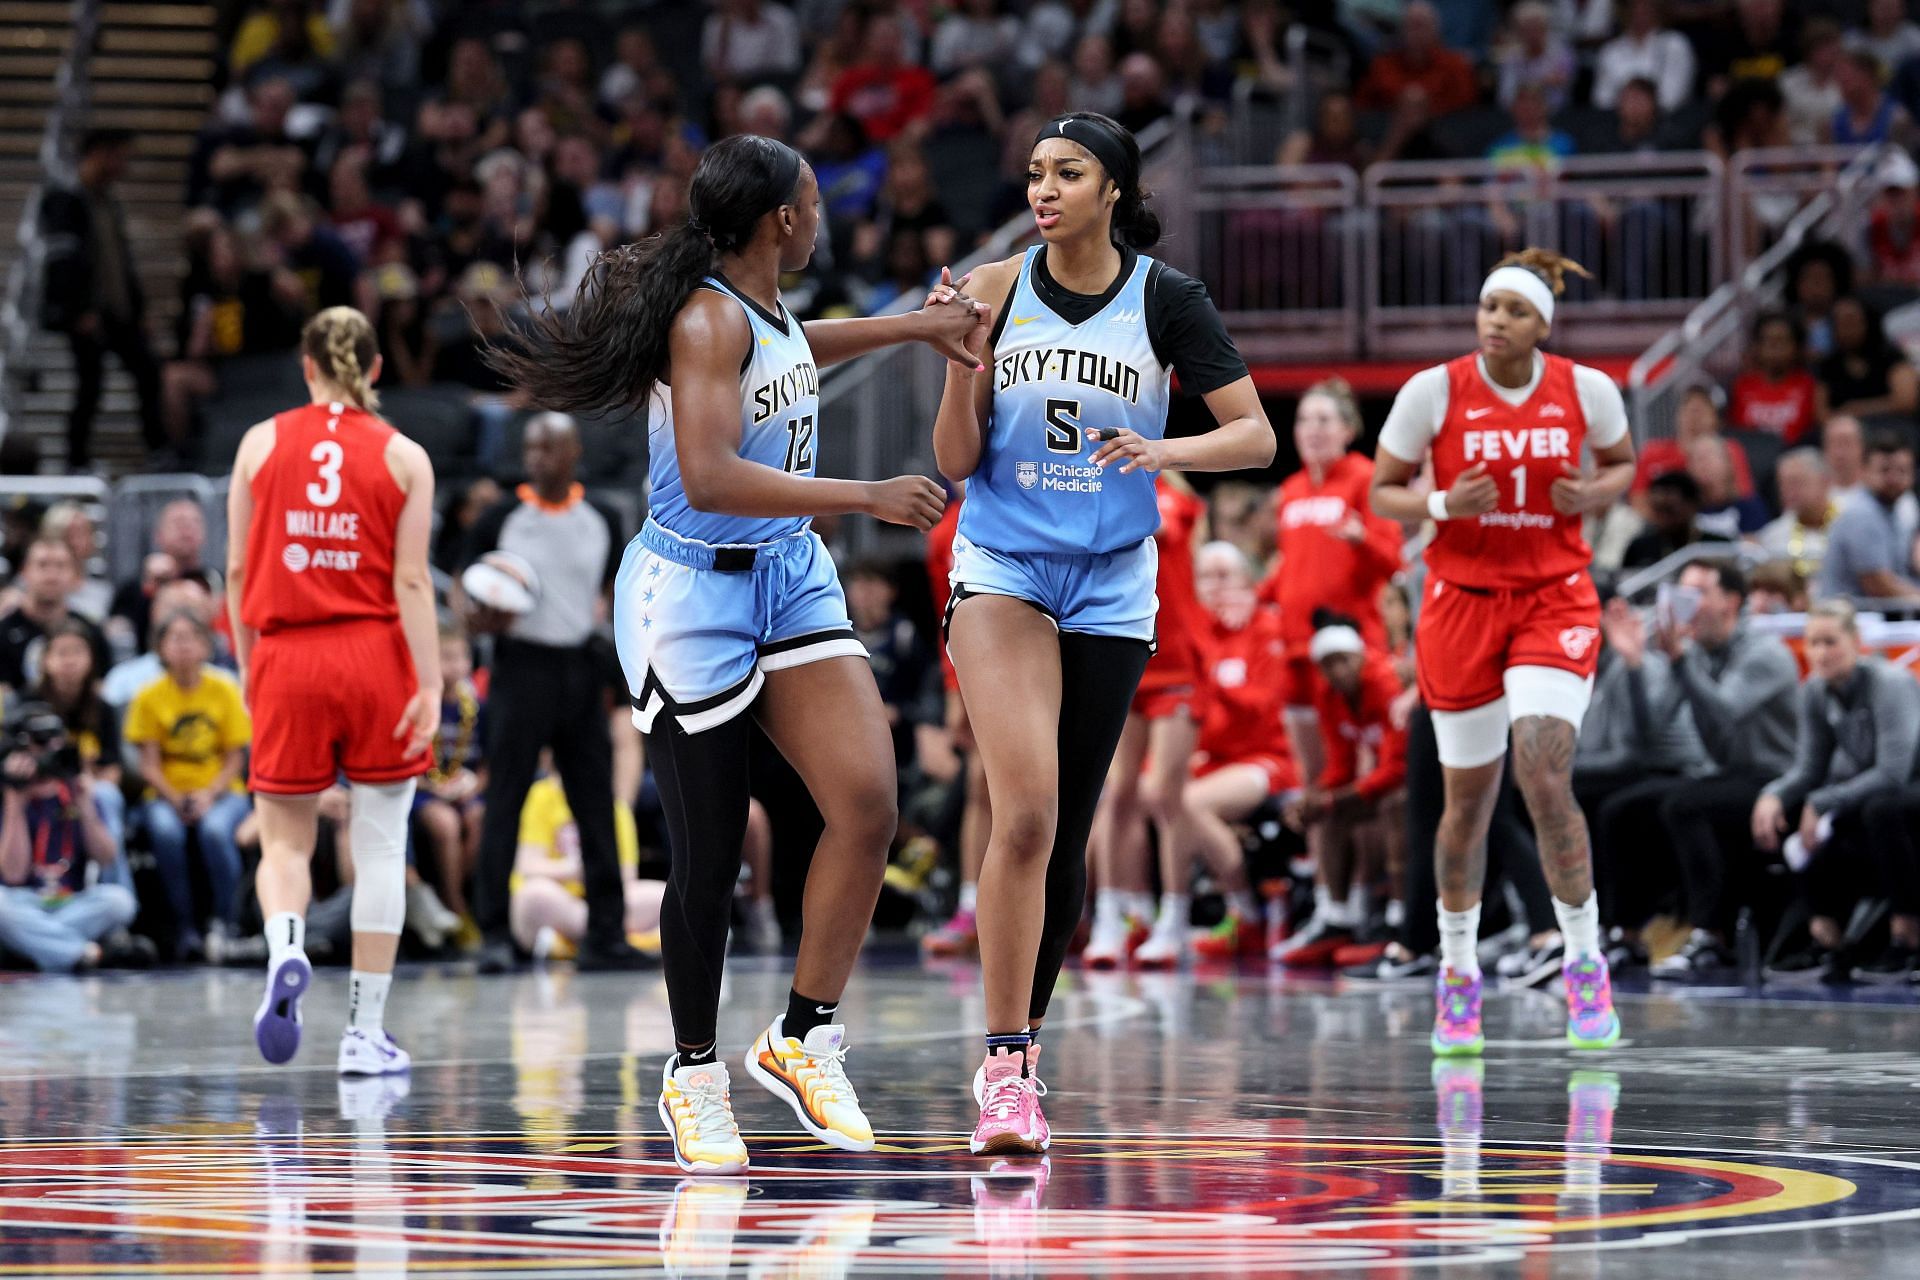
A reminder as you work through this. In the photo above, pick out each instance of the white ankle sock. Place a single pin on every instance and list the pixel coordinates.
(1172, 921)
(285, 931)
(1580, 926)
(969, 895)
(367, 1000)
(1139, 904)
(1109, 908)
(1459, 940)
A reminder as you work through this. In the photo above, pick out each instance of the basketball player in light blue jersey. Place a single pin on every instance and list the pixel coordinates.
(1052, 614)
(726, 602)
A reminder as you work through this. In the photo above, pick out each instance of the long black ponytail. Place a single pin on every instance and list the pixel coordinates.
(1135, 226)
(609, 349)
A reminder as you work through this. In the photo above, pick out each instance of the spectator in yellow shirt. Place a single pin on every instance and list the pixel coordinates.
(546, 906)
(191, 727)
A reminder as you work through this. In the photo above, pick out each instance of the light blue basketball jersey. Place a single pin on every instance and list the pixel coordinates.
(779, 407)
(1035, 489)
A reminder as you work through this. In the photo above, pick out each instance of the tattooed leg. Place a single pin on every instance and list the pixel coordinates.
(1543, 766)
(1460, 842)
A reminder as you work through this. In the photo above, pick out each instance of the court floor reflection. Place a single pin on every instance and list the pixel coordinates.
(1226, 1122)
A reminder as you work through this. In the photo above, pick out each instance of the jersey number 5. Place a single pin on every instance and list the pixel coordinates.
(800, 444)
(1063, 426)
(329, 455)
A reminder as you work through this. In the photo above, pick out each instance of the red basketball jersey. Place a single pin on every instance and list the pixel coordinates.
(325, 514)
(1523, 541)
(1318, 567)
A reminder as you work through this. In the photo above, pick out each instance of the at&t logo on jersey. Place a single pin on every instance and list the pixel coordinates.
(298, 559)
(1575, 641)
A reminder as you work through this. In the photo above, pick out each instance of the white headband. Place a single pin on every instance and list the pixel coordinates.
(1328, 641)
(1523, 282)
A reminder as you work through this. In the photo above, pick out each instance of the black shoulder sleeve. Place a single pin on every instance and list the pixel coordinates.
(1187, 333)
(484, 536)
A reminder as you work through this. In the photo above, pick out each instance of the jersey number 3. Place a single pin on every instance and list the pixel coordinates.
(800, 444)
(1063, 426)
(326, 491)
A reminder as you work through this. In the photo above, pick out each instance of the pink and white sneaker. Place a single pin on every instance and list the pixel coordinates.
(1010, 1118)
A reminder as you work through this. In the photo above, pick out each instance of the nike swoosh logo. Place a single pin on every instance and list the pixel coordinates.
(1471, 413)
(823, 1009)
(1025, 319)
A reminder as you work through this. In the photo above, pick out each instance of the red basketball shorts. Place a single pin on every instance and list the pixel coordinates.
(325, 701)
(1468, 638)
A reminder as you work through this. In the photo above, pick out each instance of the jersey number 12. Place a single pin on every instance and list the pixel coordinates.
(800, 444)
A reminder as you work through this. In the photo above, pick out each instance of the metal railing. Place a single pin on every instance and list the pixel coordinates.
(20, 303)
(1261, 117)
(1280, 252)
(1767, 188)
(1707, 345)
(1643, 225)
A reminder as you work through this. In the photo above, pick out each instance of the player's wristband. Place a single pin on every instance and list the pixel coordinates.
(1437, 505)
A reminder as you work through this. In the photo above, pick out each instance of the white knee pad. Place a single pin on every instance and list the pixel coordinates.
(378, 829)
(1471, 738)
(1548, 691)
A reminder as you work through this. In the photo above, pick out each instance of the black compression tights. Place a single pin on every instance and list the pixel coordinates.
(702, 779)
(1098, 677)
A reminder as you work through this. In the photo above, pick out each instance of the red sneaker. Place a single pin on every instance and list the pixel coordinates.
(1359, 953)
(1231, 939)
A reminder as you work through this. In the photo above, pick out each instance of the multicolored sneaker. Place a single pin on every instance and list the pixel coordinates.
(811, 1077)
(1010, 1118)
(362, 1054)
(1231, 939)
(696, 1237)
(276, 1023)
(696, 1105)
(959, 936)
(1591, 1021)
(1456, 1015)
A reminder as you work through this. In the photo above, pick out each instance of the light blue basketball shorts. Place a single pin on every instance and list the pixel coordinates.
(699, 626)
(1096, 594)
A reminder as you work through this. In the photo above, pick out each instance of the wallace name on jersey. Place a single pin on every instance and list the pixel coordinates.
(1087, 368)
(777, 396)
(338, 526)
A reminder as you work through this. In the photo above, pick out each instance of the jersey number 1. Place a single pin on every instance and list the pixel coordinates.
(800, 444)
(330, 456)
(1519, 488)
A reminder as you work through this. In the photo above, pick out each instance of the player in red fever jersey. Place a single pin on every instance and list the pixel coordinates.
(331, 512)
(1334, 552)
(1149, 768)
(1509, 630)
(1243, 759)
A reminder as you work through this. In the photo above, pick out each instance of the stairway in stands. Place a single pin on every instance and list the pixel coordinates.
(152, 72)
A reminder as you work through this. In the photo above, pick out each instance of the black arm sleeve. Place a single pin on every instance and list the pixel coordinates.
(484, 536)
(1187, 332)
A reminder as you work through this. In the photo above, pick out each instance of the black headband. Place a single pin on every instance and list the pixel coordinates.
(1103, 141)
(786, 176)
